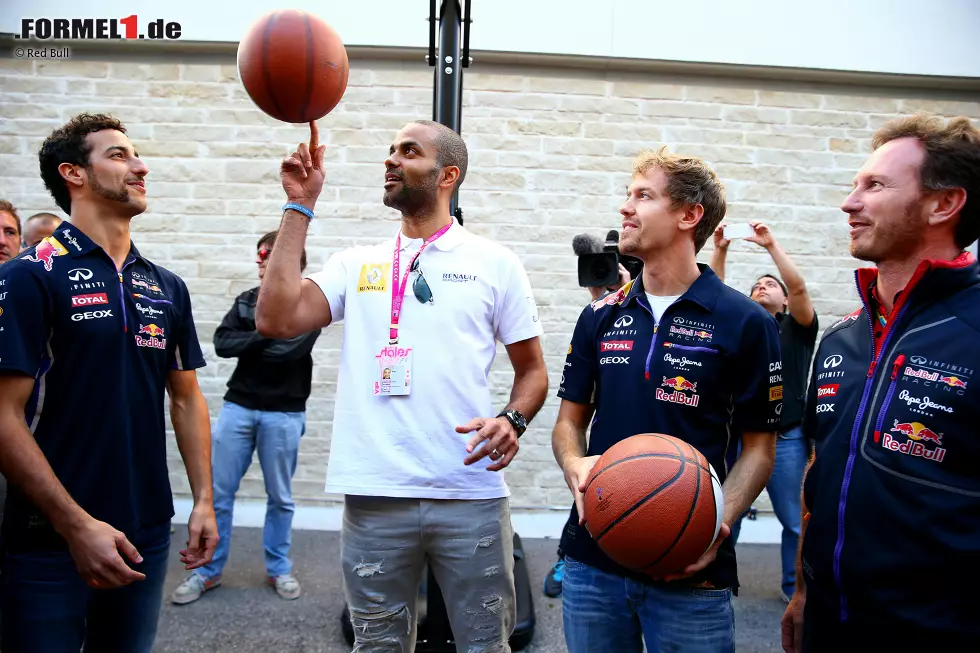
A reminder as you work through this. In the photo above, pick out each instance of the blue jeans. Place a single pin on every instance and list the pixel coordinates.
(606, 612)
(48, 607)
(784, 487)
(276, 436)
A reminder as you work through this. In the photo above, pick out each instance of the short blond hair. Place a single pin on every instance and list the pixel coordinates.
(689, 181)
(952, 160)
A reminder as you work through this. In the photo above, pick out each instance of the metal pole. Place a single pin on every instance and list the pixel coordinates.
(448, 93)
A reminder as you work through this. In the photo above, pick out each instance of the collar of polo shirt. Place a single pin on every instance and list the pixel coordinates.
(453, 237)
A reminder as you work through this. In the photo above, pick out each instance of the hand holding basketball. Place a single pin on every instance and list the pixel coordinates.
(706, 559)
(302, 173)
(577, 471)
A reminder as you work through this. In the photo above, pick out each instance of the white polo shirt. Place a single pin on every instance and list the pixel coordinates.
(407, 446)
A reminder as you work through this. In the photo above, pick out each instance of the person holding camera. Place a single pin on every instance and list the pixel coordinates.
(788, 301)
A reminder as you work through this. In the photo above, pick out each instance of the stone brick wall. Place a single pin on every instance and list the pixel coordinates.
(550, 156)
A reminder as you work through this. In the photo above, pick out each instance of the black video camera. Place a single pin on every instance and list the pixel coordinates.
(598, 263)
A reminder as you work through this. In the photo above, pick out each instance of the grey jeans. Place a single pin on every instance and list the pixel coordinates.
(469, 546)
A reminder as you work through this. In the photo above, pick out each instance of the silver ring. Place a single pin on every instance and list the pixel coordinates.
(495, 453)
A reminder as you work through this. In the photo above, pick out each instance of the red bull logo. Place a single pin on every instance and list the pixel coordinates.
(45, 252)
(148, 286)
(680, 383)
(917, 431)
(703, 334)
(953, 381)
(155, 340)
(913, 448)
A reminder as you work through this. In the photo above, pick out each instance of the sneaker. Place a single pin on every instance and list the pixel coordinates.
(287, 587)
(552, 582)
(192, 588)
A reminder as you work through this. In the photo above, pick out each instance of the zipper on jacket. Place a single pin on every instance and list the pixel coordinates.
(122, 294)
(653, 341)
(690, 348)
(852, 451)
(150, 299)
(888, 396)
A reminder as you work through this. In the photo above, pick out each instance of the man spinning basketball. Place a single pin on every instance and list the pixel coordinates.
(676, 320)
(428, 306)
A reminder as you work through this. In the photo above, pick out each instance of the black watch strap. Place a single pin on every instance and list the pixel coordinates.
(516, 419)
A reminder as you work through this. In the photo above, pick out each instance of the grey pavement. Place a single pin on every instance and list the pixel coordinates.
(245, 615)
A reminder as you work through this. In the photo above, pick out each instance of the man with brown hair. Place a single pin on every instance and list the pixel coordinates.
(94, 336)
(10, 234)
(892, 538)
(265, 411)
(675, 351)
(38, 227)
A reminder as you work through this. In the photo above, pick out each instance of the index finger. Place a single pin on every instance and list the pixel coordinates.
(314, 136)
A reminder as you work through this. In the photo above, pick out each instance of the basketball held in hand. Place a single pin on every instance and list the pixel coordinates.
(293, 65)
(653, 504)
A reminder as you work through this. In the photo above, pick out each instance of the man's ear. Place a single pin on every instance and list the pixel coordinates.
(945, 204)
(692, 216)
(72, 174)
(449, 176)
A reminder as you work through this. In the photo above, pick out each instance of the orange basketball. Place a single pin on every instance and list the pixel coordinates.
(653, 504)
(293, 65)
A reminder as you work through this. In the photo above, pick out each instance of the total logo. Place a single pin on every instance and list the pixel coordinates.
(614, 360)
(829, 390)
(679, 384)
(90, 315)
(89, 300)
(156, 338)
(616, 345)
(917, 434)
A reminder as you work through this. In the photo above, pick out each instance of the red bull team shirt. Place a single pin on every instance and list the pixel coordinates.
(709, 371)
(893, 537)
(99, 344)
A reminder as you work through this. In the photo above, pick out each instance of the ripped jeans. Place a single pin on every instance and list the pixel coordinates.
(385, 543)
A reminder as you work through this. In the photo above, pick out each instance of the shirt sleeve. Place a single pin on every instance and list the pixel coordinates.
(758, 393)
(579, 375)
(187, 354)
(516, 314)
(332, 282)
(808, 334)
(23, 319)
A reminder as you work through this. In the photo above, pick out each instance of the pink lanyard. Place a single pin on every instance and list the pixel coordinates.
(398, 289)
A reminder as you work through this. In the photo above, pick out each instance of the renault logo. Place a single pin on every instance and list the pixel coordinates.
(80, 274)
(833, 361)
(624, 321)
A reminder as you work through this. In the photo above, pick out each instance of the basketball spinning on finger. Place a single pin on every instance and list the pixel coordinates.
(653, 504)
(293, 65)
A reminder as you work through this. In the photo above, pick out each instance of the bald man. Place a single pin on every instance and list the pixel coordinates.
(38, 227)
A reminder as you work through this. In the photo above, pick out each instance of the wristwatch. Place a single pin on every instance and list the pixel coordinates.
(516, 419)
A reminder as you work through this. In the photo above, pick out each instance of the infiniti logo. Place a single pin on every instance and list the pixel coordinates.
(918, 360)
(624, 321)
(678, 320)
(80, 274)
(833, 361)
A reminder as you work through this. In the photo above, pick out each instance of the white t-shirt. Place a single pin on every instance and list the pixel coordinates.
(659, 304)
(407, 446)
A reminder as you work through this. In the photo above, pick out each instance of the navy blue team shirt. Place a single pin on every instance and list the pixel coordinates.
(710, 371)
(99, 344)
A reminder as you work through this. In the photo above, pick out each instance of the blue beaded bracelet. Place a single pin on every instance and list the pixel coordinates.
(299, 207)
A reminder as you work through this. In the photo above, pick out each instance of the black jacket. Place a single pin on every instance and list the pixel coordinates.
(271, 375)
(893, 540)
